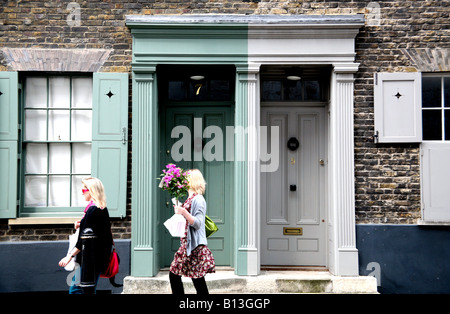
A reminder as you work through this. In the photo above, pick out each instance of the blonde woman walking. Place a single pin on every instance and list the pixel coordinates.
(193, 259)
(96, 217)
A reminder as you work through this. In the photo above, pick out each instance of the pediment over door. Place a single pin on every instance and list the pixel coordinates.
(242, 38)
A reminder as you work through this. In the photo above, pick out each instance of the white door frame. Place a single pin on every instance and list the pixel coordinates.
(329, 43)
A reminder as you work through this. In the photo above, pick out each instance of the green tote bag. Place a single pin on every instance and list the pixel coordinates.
(210, 226)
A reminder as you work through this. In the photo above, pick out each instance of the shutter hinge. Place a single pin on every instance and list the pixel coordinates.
(376, 78)
(124, 135)
(375, 137)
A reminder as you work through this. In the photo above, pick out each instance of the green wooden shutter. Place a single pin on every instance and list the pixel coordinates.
(109, 138)
(9, 107)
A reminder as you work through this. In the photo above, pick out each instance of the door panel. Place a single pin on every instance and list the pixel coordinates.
(207, 153)
(277, 181)
(292, 197)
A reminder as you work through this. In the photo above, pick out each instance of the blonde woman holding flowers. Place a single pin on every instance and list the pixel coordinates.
(193, 259)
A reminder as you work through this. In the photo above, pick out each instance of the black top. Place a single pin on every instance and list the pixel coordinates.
(98, 220)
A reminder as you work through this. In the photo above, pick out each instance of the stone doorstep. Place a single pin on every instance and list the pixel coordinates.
(268, 282)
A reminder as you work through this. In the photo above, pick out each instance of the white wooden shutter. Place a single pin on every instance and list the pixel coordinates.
(435, 181)
(397, 107)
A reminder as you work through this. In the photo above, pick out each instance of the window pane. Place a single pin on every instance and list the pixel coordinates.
(36, 125)
(58, 125)
(35, 190)
(447, 124)
(176, 90)
(447, 91)
(81, 92)
(293, 90)
(220, 90)
(81, 125)
(59, 158)
(312, 90)
(36, 158)
(432, 124)
(59, 191)
(77, 196)
(59, 92)
(36, 92)
(81, 158)
(271, 90)
(431, 92)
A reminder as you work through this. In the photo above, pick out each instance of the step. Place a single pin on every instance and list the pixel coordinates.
(225, 282)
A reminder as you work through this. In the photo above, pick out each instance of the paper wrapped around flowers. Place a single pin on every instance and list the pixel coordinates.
(176, 225)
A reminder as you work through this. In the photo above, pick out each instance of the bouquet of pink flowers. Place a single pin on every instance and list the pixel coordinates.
(174, 180)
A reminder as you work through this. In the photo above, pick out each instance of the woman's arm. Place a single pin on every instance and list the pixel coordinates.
(65, 260)
(198, 211)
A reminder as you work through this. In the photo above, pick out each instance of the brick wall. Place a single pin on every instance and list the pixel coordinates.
(387, 176)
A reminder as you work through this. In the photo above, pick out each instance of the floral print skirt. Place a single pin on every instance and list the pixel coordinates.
(196, 265)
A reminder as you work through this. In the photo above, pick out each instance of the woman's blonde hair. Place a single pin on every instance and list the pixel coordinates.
(96, 190)
(196, 181)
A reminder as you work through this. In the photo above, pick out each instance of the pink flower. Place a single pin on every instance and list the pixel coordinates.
(175, 181)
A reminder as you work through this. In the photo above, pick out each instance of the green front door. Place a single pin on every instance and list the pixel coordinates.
(204, 129)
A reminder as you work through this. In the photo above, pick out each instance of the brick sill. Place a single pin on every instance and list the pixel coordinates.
(43, 221)
(433, 223)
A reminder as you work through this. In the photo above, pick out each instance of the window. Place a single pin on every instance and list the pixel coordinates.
(278, 90)
(436, 108)
(307, 84)
(435, 149)
(57, 141)
(64, 127)
(415, 108)
(196, 84)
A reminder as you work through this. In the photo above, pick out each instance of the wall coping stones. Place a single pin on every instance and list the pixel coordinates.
(356, 19)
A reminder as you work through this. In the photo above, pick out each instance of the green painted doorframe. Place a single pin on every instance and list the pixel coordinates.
(192, 44)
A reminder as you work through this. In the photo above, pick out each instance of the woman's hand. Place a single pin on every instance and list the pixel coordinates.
(179, 210)
(64, 261)
(77, 224)
(182, 211)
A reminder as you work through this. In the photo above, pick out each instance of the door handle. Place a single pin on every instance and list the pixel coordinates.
(292, 187)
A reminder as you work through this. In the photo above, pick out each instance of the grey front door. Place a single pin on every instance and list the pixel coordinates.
(293, 198)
